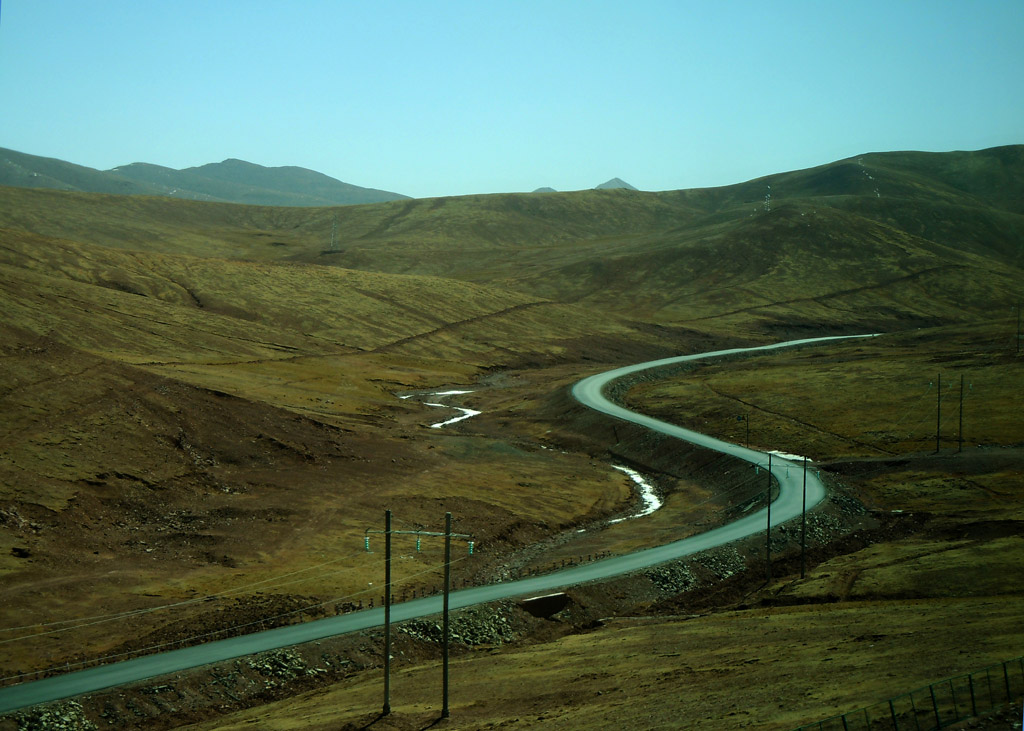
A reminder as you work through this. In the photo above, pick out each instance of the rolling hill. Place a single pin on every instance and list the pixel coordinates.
(233, 181)
(898, 239)
(201, 396)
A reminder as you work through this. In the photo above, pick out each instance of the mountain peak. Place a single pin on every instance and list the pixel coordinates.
(231, 163)
(615, 183)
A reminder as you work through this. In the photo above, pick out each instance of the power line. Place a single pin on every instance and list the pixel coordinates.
(446, 633)
(102, 618)
(768, 531)
(223, 630)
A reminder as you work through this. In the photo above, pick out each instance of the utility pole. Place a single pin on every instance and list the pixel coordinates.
(448, 535)
(334, 235)
(803, 528)
(768, 532)
(447, 585)
(938, 412)
(746, 418)
(960, 430)
(387, 613)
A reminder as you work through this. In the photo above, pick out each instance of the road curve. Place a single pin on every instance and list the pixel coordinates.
(588, 392)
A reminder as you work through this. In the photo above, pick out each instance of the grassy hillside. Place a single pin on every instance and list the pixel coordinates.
(932, 591)
(930, 249)
(176, 425)
(202, 397)
(32, 171)
(289, 308)
(914, 375)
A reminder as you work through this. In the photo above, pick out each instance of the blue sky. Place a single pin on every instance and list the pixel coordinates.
(431, 98)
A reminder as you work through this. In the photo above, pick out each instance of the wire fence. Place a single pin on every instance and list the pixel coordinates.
(937, 705)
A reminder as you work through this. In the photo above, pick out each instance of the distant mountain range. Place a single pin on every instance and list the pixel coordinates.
(613, 183)
(231, 181)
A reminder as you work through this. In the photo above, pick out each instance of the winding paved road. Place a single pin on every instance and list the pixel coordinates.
(589, 392)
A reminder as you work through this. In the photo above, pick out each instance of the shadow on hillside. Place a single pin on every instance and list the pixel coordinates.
(382, 722)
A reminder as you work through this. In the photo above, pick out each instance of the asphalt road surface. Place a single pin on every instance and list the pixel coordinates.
(787, 505)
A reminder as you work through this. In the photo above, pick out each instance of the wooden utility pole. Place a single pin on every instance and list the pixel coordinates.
(447, 588)
(803, 528)
(960, 430)
(746, 418)
(768, 532)
(448, 535)
(387, 613)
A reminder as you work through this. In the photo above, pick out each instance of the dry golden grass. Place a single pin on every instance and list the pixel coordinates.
(866, 397)
(198, 397)
(862, 627)
(215, 494)
(772, 668)
(919, 568)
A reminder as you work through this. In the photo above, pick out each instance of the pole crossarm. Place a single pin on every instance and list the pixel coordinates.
(446, 632)
(421, 533)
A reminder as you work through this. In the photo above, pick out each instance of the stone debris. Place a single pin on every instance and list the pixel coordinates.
(65, 716)
(723, 563)
(473, 626)
(674, 577)
(846, 503)
(282, 665)
(822, 528)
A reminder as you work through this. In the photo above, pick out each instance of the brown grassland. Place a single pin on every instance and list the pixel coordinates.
(202, 417)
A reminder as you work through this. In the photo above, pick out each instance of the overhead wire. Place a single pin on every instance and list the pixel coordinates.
(224, 630)
(102, 618)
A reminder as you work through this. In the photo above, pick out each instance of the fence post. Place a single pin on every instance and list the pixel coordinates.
(974, 704)
(916, 713)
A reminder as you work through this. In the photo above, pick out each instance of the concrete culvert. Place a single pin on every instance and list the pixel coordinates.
(545, 606)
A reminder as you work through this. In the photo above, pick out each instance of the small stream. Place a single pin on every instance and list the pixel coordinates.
(466, 413)
(648, 496)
